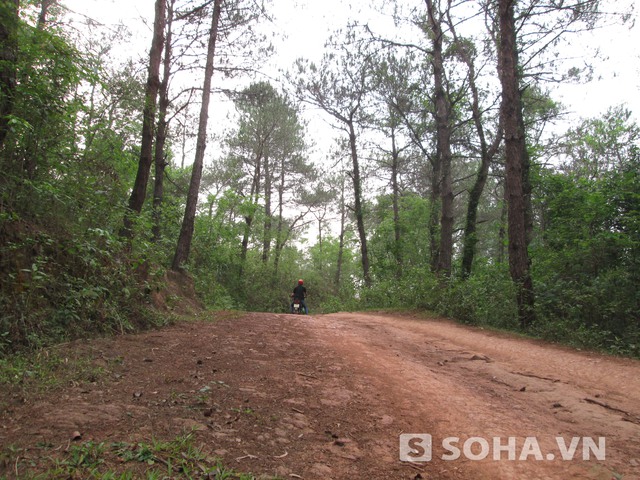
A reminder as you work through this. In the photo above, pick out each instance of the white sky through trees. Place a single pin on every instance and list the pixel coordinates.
(301, 28)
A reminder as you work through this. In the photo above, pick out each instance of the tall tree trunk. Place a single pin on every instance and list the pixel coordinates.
(434, 193)
(487, 153)
(358, 208)
(470, 236)
(183, 143)
(395, 189)
(90, 131)
(517, 164)
(502, 232)
(279, 240)
(435, 202)
(320, 220)
(266, 239)
(9, 24)
(343, 221)
(161, 134)
(139, 192)
(248, 219)
(186, 231)
(244, 248)
(443, 135)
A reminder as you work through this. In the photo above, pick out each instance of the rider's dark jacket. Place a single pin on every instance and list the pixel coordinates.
(300, 292)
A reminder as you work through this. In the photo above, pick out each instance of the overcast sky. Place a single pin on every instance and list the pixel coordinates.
(307, 23)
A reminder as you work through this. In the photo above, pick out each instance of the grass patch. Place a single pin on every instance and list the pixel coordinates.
(46, 369)
(179, 458)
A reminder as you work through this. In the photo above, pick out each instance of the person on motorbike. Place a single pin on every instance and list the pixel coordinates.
(300, 292)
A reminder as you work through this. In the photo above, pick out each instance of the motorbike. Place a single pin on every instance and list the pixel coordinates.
(297, 308)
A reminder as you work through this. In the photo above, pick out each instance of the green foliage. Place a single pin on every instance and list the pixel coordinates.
(600, 145)
(66, 174)
(585, 260)
(266, 290)
(62, 287)
(215, 253)
(588, 256)
(327, 293)
(413, 249)
(42, 117)
(486, 298)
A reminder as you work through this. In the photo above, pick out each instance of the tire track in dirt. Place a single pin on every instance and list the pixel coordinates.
(455, 381)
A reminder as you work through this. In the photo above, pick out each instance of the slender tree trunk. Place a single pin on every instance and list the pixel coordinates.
(397, 245)
(487, 153)
(502, 232)
(433, 225)
(435, 203)
(443, 135)
(158, 195)
(266, 239)
(44, 12)
(279, 242)
(90, 133)
(9, 23)
(517, 164)
(186, 232)
(183, 144)
(470, 236)
(343, 221)
(445, 254)
(248, 219)
(358, 208)
(434, 193)
(526, 190)
(320, 220)
(161, 135)
(139, 192)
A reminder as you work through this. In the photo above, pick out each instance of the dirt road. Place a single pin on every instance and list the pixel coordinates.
(327, 397)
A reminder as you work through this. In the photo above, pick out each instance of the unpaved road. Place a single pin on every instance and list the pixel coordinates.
(328, 396)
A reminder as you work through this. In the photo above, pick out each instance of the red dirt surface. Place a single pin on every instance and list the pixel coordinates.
(327, 397)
